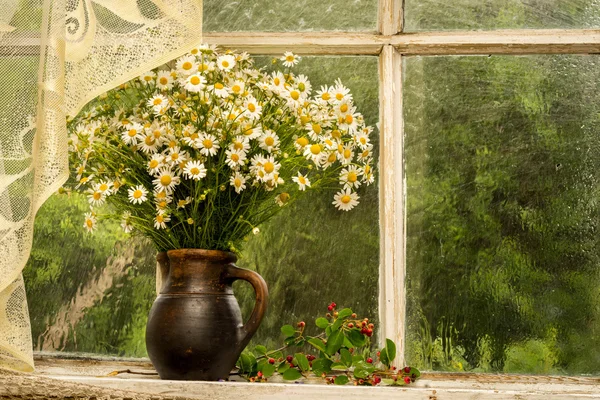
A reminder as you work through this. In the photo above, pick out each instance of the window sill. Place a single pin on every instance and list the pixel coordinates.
(432, 386)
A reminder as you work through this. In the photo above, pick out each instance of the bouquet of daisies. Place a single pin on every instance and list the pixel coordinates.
(197, 154)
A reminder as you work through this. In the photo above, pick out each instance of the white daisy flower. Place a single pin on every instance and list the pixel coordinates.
(226, 62)
(158, 102)
(315, 153)
(345, 154)
(147, 78)
(205, 67)
(195, 83)
(251, 132)
(302, 83)
(90, 222)
(325, 94)
(238, 182)
(366, 153)
(282, 199)
(345, 200)
(235, 158)
(314, 130)
(302, 181)
(104, 187)
(237, 87)
(252, 108)
(156, 162)
(362, 140)
(148, 143)
(137, 194)
(96, 197)
(208, 144)
(220, 90)
(269, 141)
(349, 177)
(184, 202)
(240, 143)
(277, 81)
(130, 135)
(341, 92)
(328, 160)
(164, 80)
(126, 222)
(290, 59)
(175, 156)
(186, 65)
(194, 170)
(367, 174)
(265, 168)
(161, 219)
(300, 143)
(166, 180)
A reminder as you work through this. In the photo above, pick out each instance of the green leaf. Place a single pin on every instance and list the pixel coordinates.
(341, 380)
(346, 357)
(289, 340)
(346, 312)
(288, 331)
(284, 366)
(302, 361)
(275, 354)
(334, 342)
(247, 363)
(347, 343)
(268, 370)
(262, 350)
(322, 323)
(415, 372)
(292, 374)
(338, 366)
(357, 338)
(337, 324)
(321, 365)
(383, 357)
(317, 344)
(390, 349)
(360, 373)
(389, 382)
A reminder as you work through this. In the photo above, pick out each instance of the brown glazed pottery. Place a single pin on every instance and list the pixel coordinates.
(195, 329)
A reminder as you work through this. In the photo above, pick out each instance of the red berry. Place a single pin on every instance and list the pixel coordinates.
(406, 380)
(370, 360)
(364, 324)
(350, 325)
(333, 305)
(353, 315)
(369, 332)
(259, 374)
(310, 357)
(271, 361)
(301, 324)
(289, 359)
(376, 380)
(330, 308)
(371, 326)
(378, 354)
(407, 370)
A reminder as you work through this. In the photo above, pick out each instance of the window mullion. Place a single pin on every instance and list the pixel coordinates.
(390, 19)
(392, 302)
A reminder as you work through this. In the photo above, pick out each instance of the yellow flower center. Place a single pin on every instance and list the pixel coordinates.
(161, 195)
(238, 146)
(97, 195)
(149, 140)
(137, 194)
(304, 119)
(302, 180)
(236, 88)
(276, 81)
(203, 67)
(269, 141)
(235, 157)
(339, 96)
(347, 153)
(352, 177)
(195, 80)
(317, 128)
(249, 132)
(132, 132)
(89, 223)
(331, 157)
(302, 141)
(344, 108)
(326, 96)
(164, 80)
(345, 199)
(269, 167)
(156, 134)
(160, 219)
(315, 149)
(219, 86)
(367, 169)
(349, 119)
(174, 156)
(187, 65)
(103, 187)
(237, 182)
(153, 163)
(147, 78)
(284, 197)
(295, 95)
(165, 180)
(290, 58)
(365, 153)
(157, 102)
(225, 63)
(162, 204)
(195, 171)
(363, 140)
(207, 143)
(251, 107)
(301, 87)
(116, 184)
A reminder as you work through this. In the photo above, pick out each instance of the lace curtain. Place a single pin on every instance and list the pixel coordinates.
(55, 56)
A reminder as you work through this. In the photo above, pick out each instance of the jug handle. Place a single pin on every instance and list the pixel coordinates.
(262, 295)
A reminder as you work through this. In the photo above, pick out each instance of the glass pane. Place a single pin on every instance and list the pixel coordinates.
(503, 215)
(286, 15)
(93, 293)
(500, 14)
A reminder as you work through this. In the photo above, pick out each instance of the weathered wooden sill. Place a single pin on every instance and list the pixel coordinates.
(432, 386)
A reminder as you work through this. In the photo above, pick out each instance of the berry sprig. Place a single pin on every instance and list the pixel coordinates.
(343, 354)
